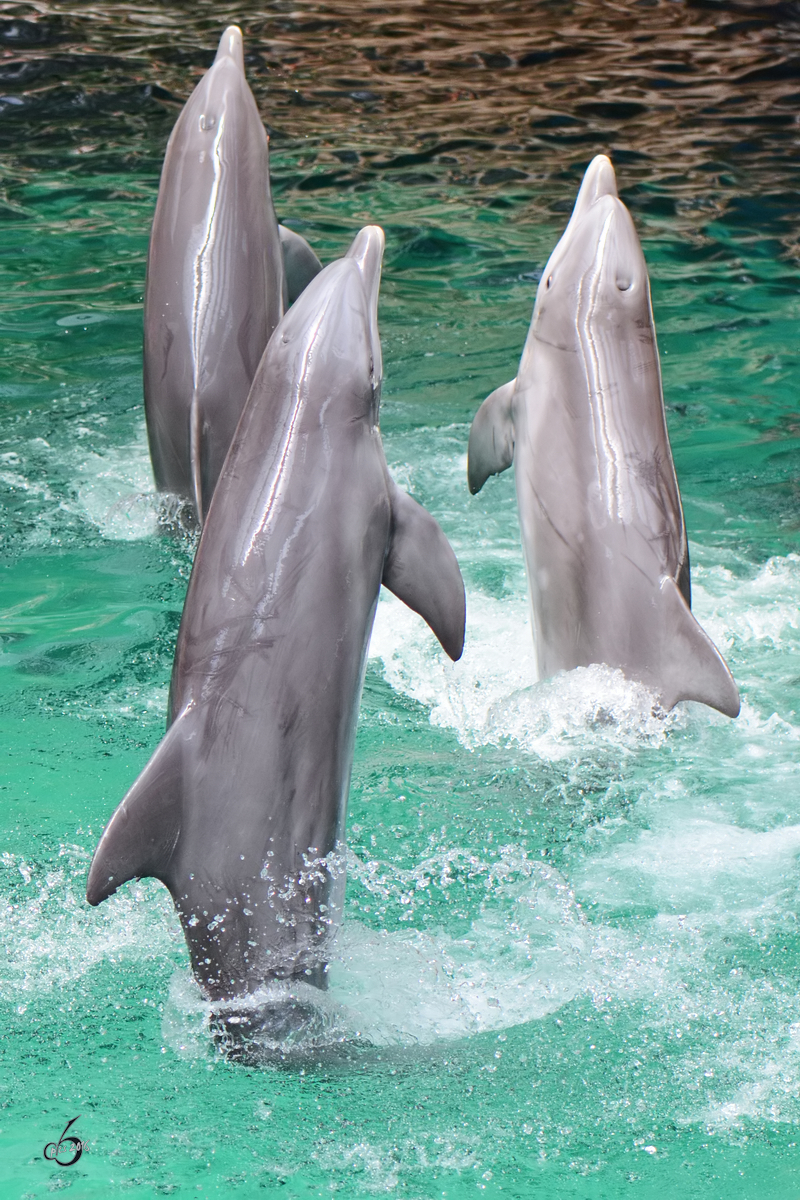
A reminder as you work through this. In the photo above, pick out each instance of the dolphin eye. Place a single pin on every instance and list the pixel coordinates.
(549, 282)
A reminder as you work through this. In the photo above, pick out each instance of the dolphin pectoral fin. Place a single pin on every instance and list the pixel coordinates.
(300, 263)
(422, 571)
(491, 438)
(141, 836)
(691, 666)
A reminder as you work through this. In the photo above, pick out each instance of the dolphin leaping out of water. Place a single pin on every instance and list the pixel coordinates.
(602, 525)
(216, 282)
(241, 809)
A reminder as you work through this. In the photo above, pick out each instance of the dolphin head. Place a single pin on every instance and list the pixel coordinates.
(222, 88)
(330, 334)
(598, 261)
(367, 252)
(599, 180)
(574, 246)
(231, 48)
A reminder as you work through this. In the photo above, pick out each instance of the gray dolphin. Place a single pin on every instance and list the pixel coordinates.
(216, 286)
(602, 525)
(241, 809)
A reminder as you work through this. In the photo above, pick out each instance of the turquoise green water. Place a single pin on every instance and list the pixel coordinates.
(570, 957)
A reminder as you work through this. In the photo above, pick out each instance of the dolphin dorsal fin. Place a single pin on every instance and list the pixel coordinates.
(691, 666)
(300, 263)
(141, 837)
(491, 438)
(422, 571)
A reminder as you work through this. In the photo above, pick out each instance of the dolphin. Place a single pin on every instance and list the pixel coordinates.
(216, 284)
(602, 526)
(240, 811)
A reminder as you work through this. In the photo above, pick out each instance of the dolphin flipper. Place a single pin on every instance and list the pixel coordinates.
(691, 666)
(491, 438)
(300, 263)
(422, 571)
(141, 837)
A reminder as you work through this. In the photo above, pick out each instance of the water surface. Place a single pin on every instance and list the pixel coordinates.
(569, 964)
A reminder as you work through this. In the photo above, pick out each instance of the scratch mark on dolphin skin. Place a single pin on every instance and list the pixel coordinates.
(642, 369)
(657, 485)
(641, 571)
(648, 471)
(171, 852)
(549, 519)
(220, 716)
(556, 345)
(169, 338)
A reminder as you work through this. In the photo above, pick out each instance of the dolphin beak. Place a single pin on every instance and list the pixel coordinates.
(598, 181)
(367, 251)
(231, 46)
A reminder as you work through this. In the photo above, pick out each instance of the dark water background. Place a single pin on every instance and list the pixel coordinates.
(570, 960)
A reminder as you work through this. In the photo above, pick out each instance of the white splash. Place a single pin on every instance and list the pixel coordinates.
(114, 491)
(528, 953)
(491, 697)
(50, 937)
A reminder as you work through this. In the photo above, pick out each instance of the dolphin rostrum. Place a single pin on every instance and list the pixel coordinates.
(602, 525)
(240, 811)
(216, 286)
